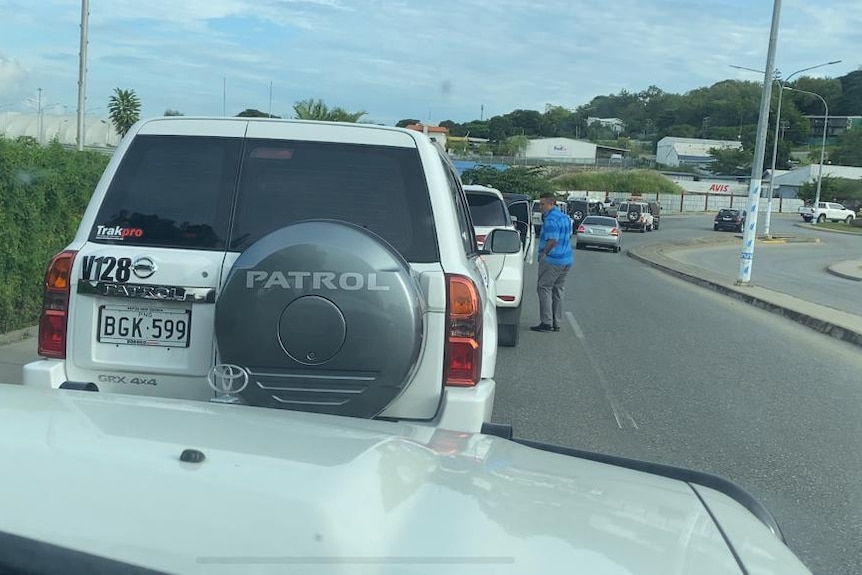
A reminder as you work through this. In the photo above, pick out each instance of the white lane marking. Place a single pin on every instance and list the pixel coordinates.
(619, 412)
(579, 333)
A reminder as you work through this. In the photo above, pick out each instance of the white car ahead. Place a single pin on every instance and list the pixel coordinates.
(310, 266)
(489, 212)
(99, 484)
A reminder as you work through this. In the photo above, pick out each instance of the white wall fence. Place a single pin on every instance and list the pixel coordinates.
(689, 202)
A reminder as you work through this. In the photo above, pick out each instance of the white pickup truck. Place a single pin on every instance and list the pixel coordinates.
(826, 211)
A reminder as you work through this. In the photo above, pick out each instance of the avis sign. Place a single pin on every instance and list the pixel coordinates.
(701, 187)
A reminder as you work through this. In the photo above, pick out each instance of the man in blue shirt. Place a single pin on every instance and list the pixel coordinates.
(555, 261)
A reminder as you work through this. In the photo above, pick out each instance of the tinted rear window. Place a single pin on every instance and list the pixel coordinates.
(171, 191)
(728, 213)
(598, 221)
(179, 191)
(487, 210)
(379, 188)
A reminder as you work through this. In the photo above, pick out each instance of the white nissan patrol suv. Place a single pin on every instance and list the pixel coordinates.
(310, 266)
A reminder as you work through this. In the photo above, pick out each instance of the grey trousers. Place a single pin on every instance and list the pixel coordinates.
(551, 287)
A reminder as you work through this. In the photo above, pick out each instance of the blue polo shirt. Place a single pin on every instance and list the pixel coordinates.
(556, 226)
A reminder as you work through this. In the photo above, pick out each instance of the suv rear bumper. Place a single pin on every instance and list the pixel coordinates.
(467, 408)
(632, 225)
(45, 373)
(462, 408)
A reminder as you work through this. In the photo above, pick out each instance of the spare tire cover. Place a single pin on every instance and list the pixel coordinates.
(325, 316)
(634, 215)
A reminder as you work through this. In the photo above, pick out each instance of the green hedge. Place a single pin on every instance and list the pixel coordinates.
(44, 191)
(628, 181)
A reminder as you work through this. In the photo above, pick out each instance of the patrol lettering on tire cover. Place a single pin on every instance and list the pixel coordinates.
(326, 316)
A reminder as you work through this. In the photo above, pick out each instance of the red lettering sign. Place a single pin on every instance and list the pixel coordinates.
(719, 188)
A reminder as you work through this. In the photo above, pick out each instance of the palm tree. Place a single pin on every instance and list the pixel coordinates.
(312, 109)
(124, 108)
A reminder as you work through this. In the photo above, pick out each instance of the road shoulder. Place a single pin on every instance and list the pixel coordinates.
(838, 324)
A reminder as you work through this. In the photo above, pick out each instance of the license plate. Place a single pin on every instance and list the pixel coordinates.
(131, 325)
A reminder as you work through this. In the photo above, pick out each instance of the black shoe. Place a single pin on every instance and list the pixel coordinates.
(556, 328)
(542, 327)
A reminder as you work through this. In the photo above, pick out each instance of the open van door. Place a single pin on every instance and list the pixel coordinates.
(520, 211)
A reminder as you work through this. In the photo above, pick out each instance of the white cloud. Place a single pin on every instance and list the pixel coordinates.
(396, 58)
(13, 80)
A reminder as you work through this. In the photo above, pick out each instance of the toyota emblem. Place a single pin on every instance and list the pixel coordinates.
(227, 379)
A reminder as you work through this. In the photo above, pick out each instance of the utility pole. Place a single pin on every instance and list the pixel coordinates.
(82, 72)
(482, 113)
(746, 256)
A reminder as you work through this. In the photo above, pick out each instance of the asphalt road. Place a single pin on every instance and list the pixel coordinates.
(796, 269)
(652, 367)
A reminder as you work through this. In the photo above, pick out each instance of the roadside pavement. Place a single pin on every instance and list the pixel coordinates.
(16, 349)
(838, 324)
(848, 269)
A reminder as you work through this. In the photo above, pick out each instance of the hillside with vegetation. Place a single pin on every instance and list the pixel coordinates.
(727, 110)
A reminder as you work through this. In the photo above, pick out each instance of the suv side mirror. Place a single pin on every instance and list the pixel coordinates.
(501, 241)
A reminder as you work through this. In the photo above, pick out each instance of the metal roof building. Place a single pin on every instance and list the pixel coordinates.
(98, 132)
(675, 152)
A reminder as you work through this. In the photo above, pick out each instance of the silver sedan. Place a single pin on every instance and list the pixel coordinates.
(600, 231)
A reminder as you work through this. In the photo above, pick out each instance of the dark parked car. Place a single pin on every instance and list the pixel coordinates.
(729, 219)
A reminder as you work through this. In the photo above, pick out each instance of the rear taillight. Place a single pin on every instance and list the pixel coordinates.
(480, 239)
(506, 297)
(55, 305)
(615, 232)
(463, 358)
(581, 229)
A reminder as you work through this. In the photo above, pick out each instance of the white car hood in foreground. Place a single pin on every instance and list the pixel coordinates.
(284, 492)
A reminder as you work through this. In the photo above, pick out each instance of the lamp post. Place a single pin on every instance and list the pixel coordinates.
(822, 145)
(82, 72)
(781, 85)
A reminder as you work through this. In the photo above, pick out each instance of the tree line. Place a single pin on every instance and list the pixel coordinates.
(726, 110)
(124, 109)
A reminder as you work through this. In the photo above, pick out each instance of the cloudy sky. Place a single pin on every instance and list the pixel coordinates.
(426, 59)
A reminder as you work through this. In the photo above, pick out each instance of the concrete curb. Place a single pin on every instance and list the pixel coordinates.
(840, 325)
(835, 270)
(18, 335)
(827, 230)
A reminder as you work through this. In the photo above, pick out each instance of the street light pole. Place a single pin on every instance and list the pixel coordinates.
(822, 146)
(82, 72)
(781, 85)
(746, 256)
